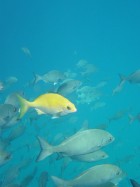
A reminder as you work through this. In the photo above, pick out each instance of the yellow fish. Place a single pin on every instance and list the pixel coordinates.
(50, 103)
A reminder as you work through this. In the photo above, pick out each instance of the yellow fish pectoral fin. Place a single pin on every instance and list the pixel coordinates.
(39, 112)
(57, 115)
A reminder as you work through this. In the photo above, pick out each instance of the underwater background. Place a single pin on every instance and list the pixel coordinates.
(40, 36)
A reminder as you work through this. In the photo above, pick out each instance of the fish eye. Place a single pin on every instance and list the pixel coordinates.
(7, 157)
(68, 107)
(110, 139)
(118, 173)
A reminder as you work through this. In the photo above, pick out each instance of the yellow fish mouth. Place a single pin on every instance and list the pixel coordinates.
(75, 110)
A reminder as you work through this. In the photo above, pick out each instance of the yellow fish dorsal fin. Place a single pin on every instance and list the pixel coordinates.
(39, 112)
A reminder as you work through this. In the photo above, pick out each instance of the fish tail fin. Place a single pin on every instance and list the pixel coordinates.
(131, 118)
(36, 78)
(122, 79)
(60, 182)
(46, 149)
(24, 106)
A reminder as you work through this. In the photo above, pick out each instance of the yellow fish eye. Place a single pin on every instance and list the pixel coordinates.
(68, 107)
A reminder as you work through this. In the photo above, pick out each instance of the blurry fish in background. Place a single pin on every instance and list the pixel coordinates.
(118, 115)
(8, 115)
(133, 78)
(88, 70)
(88, 94)
(103, 126)
(82, 142)
(1, 86)
(81, 63)
(52, 104)
(5, 84)
(91, 157)
(118, 88)
(29, 178)
(68, 86)
(99, 175)
(53, 76)
(98, 105)
(134, 183)
(12, 172)
(11, 80)
(65, 163)
(26, 51)
(43, 179)
(10, 175)
(101, 84)
(126, 159)
(70, 74)
(4, 157)
(134, 118)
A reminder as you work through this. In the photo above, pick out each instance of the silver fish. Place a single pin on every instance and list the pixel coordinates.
(83, 142)
(94, 176)
(91, 157)
(132, 78)
(69, 86)
(53, 76)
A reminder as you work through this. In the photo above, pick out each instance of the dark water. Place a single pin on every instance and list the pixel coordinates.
(39, 36)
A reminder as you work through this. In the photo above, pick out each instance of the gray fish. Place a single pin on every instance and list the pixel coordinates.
(28, 179)
(88, 94)
(7, 111)
(69, 86)
(53, 76)
(43, 179)
(81, 63)
(118, 115)
(4, 157)
(94, 176)
(91, 157)
(8, 115)
(133, 118)
(88, 69)
(133, 78)
(118, 88)
(83, 142)
(134, 183)
(26, 51)
(11, 80)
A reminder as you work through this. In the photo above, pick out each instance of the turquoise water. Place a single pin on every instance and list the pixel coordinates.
(58, 34)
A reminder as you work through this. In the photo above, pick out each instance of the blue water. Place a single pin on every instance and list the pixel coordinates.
(59, 34)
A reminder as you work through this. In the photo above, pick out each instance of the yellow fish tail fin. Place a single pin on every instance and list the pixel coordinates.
(24, 106)
(46, 149)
